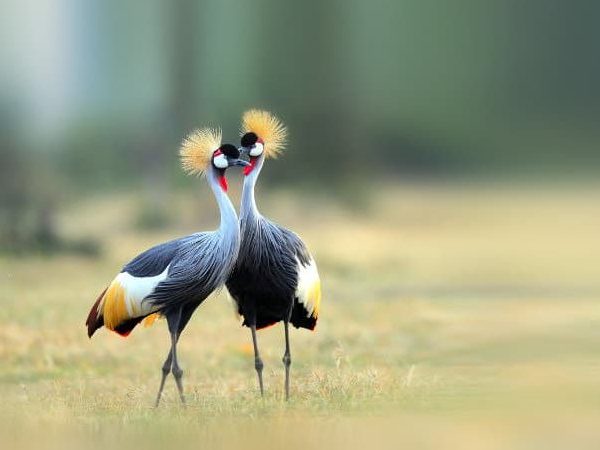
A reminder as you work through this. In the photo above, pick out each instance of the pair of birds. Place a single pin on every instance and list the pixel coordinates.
(267, 269)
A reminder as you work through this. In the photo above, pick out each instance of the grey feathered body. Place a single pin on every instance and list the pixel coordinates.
(195, 265)
(198, 264)
(265, 277)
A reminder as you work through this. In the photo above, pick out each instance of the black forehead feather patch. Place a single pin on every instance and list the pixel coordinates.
(230, 151)
(249, 139)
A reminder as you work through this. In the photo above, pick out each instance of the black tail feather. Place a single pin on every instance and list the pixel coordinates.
(126, 327)
(95, 320)
(300, 317)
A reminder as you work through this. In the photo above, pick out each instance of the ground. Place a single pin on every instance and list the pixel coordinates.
(456, 316)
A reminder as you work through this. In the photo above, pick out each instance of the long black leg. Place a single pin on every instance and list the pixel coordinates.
(185, 315)
(287, 358)
(173, 321)
(258, 364)
(166, 369)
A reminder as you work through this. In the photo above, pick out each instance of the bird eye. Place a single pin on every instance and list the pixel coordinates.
(220, 161)
(256, 150)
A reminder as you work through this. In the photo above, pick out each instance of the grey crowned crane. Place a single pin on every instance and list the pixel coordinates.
(172, 279)
(275, 278)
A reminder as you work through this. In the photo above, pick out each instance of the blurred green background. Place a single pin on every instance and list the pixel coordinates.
(97, 95)
(442, 168)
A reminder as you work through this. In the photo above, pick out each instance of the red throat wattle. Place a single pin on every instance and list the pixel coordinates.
(223, 182)
(249, 168)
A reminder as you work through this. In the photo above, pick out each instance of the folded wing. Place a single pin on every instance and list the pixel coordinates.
(121, 306)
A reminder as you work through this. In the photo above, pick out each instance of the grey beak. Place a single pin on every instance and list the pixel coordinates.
(238, 162)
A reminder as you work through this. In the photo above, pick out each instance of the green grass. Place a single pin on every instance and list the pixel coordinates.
(454, 316)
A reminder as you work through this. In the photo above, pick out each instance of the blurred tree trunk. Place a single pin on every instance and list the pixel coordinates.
(183, 52)
(312, 86)
(180, 19)
(13, 196)
(27, 199)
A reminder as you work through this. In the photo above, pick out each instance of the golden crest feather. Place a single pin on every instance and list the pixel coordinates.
(267, 127)
(197, 149)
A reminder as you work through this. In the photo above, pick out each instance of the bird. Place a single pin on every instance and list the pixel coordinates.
(275, 278)
(173, 278)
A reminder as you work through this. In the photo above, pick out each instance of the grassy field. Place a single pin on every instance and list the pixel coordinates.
(453, 316)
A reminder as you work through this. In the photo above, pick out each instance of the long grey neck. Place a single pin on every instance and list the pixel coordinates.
(248, 210)
(229, 228)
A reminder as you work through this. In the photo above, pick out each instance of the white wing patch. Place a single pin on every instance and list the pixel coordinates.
(308, 291)
(138, 288)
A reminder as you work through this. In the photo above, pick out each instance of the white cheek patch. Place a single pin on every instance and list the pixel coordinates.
(220, 161)
(256, 150)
